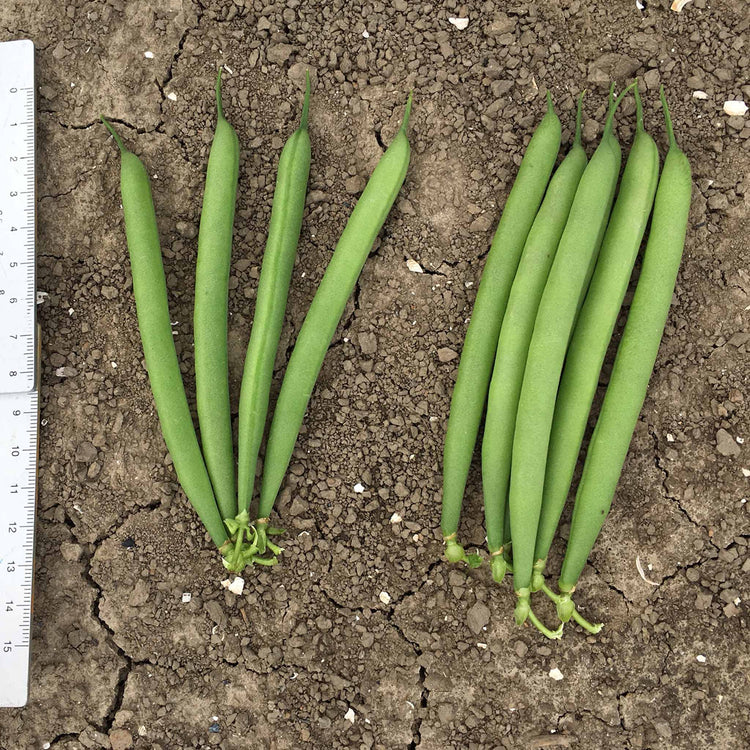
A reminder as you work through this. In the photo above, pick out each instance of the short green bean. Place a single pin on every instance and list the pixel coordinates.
(210, 313)
(273, 287)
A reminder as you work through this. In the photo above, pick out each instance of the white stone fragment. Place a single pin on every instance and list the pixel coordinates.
(413, 266)
(700, 94)
(172, 96)
(384, 597)
(359, 488)
(678, 5)
(395, 518)
(148, 55)
(556, 674)
(237, 586)
(350, 715)
(482, 645)
(186, 597)
(734, 108)
(639, 5)
(366, 34)
(701, 658)
(745, 472)
(670, 437)
(459, 23)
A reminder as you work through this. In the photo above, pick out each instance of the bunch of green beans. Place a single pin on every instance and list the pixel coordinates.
(513, 343)
(634, 362)
(221, 496)
(564, 300)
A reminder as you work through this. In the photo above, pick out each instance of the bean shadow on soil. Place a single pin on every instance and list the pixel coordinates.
(363, 636)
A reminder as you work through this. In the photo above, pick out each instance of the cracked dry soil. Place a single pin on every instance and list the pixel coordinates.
(119, 660)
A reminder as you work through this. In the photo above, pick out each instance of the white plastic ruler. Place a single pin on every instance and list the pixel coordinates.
(19, 401)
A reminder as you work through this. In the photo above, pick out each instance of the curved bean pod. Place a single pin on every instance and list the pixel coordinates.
(210, 312)
(325, 311)
(150, 291)
(477, 357)
(593, 331)
(558, 307)
(513, 343)
(273, 288)
(634, 362)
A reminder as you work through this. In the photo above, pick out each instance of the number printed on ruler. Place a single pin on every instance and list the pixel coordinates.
(19, 413)
(17, 217)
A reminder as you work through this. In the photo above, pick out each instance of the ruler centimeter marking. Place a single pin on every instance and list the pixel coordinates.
(19, 418)
(19, 400)
(17, 218)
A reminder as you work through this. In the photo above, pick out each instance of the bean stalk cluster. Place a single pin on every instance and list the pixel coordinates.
(549, 297)
(220, 488)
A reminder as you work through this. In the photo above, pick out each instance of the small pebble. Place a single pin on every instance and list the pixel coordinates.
(735, 108)
(413, 266)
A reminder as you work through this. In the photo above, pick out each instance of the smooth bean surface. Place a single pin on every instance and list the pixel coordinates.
(150, 291)
(634, 362)
(593, 331)
(273, 287)
(478, 354)
(513, 343)
(558, 307)
(325, 311)
(211, 309)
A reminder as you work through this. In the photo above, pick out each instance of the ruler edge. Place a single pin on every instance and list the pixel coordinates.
(23, 697)
(34, 382)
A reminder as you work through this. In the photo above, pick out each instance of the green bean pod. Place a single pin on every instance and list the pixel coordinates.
(513, 343)
(593, 331)
(150, 291)
(634, 362)
(211, 310)
(273, 288)
(325, 311)
(477, 357)
(554, 322)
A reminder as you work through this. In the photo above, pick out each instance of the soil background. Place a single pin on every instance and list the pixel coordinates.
(363, 637)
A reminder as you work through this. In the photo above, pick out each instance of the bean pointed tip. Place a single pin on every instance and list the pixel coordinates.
(114, 134)
(306, 103)
(579, 118)
(407, 112)
(219, 108)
